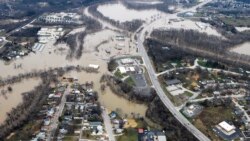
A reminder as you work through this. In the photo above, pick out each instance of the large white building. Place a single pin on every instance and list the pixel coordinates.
(48, 34)
(65, 18)
(124, 70)
(127, 61)
(226, 128)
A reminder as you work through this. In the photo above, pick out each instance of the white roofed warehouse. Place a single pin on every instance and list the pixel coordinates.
(227, 131)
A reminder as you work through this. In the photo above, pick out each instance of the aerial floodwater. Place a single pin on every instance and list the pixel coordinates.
(12, 99)
(149, 2)
(124, 13)
(107, 98)
(242, 48)
(51, 57)
(129, 70)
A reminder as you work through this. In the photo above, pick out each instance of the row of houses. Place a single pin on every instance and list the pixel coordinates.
(83, 112)
(47, 113)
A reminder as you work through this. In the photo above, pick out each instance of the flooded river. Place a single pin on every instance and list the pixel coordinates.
(107, 98)
(124, 14)
(51, 57)
(13, 98)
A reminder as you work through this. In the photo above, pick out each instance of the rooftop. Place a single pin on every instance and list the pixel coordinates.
(227, 127)
(173, 82)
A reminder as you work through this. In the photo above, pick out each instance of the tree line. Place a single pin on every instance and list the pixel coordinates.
(76, 41)
(33, 100)
(203, 45)
(145, 95)
(130, 4)
(40, 73)
(158, 113)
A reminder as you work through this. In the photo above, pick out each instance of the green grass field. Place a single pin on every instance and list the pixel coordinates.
(188, 94)
(241, 22)
(205, 123)
(130, 134)
(130, 81)
(119, 74)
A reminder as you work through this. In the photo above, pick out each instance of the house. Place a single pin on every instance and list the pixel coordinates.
(51, 95)
(216, 93)
(94, 125)
(115, 121)
(75, 91)
(118, 131)
(46, 122)
(245, 120)
(51, 112)
(63, 131)
(247, 98)
(39, 136)
(173, 82)
(192, 110)
(57, 95)
(112, 115)
(246, 134)
(238, 111)
(1, 40)
(145, 135)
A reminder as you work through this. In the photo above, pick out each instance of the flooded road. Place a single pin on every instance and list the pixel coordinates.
(13, 98)
(107, 98)
(55, 56)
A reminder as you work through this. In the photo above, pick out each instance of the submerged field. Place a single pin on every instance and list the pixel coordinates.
(124, 13)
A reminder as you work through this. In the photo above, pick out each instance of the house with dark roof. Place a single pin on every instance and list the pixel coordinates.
(173, 82)
(154, 135)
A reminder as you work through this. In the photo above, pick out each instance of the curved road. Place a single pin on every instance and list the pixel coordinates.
(153, 76)
(198, 134)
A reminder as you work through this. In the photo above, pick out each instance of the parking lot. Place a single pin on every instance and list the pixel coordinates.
(139, 80)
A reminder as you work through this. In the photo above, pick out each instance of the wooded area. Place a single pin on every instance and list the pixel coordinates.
(203, 45)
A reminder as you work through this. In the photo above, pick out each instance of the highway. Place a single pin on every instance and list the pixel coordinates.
(153, 76)
(198, 134)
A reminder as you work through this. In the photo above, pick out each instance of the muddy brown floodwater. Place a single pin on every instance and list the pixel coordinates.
(242, 48)
(51, 57)
(124, 13)
(12, 99)
(107, 98)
